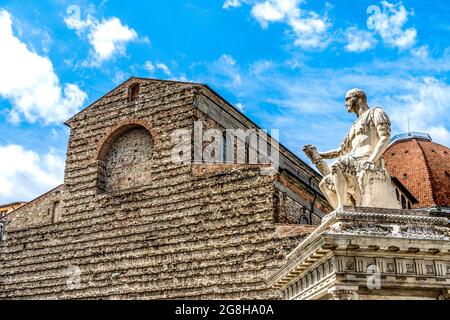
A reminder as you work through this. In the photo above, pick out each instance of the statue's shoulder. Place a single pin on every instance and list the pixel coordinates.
(379, 116)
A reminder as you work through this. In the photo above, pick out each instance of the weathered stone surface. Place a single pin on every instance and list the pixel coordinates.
(134, 225)
(366, 253)
(358, 176)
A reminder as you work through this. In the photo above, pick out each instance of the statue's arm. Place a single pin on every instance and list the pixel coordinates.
(332, 154)
(382, 145)
(383, 127)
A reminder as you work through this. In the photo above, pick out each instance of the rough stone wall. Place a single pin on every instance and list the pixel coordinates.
(185, 234)
(290, 211)
(41, 211)
(295, 212)
(8, 208)
(127, 163)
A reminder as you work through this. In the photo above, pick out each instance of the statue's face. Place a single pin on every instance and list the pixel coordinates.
(352, 103)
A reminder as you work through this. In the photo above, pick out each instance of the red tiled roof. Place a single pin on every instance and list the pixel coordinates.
(424, 168)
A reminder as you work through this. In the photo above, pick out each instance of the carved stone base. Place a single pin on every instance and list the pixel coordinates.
(369, 253)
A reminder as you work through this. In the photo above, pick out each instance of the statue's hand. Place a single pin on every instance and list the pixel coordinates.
(368, 165)
(312, 153)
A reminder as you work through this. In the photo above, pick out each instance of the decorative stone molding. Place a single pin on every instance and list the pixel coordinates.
(370, 252)
(343, 294)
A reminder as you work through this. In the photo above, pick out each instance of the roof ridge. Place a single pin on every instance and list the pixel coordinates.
(164, 80)
(11, 204)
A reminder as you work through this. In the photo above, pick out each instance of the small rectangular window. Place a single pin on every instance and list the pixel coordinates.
(133, 92)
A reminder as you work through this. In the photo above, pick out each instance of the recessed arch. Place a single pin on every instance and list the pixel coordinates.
(118, 130)
(124, 156)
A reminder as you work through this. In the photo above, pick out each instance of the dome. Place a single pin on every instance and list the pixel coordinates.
(422, 166)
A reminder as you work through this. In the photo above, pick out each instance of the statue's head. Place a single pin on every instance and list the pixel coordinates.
(355, 100)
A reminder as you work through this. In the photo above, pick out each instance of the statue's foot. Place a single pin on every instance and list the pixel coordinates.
(339, 209)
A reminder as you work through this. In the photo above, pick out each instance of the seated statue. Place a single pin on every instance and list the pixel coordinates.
(358, 177)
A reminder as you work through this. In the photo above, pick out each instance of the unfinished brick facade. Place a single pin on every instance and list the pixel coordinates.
(128, 223)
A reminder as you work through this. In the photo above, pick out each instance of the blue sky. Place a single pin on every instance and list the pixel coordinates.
(286, 64)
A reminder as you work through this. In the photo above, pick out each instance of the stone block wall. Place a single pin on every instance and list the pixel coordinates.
(179, 233)
(42, 211)
(127, 163)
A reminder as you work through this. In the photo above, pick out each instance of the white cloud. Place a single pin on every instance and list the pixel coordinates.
(231, 4)
(29, 81)
(426, 105)
(24, 174)
(227, 59)
(389, 24)
(274, 10)
(308, 28)
(261, 66)
(152, 67)
(164, 68)
(108, 37)
(358, 40)
(226, 66)
(149, 66)
(120, 76)
(240, 107)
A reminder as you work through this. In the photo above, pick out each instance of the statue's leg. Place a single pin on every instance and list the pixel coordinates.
(326, 186)
(353, 191)
(340, 183)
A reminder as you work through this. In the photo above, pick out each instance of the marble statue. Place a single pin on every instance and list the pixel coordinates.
(358, 177)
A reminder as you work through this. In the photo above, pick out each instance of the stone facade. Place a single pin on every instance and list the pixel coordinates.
(128, 223)
(44, 210)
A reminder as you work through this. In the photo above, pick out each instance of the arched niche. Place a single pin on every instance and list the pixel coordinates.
(124, 158)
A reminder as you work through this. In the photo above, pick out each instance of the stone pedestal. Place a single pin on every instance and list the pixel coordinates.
(370, 253)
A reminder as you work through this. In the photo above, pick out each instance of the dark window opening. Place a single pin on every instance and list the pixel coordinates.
(224, 147)
(247, 151)
(403, 202)
(133, 92)
(1, 231)
(277, 206)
